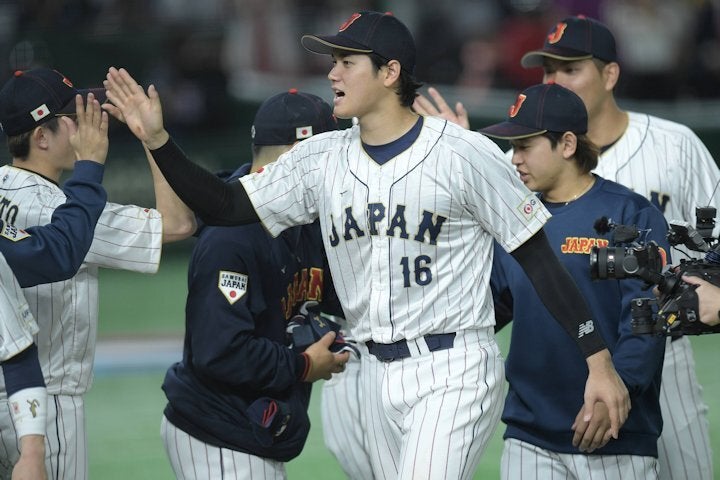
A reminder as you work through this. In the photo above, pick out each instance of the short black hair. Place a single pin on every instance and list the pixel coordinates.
(586, 152)
(19, 145)
(408, 86)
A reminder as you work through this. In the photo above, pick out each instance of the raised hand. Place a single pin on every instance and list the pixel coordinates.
(424, 106)
(140, 111)
(90, 139)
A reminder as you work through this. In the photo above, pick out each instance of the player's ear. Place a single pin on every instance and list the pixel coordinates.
(392, 72)
(611, 74)
(39, 137)
(568, 143)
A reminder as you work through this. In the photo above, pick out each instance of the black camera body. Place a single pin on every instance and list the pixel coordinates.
(675, 311)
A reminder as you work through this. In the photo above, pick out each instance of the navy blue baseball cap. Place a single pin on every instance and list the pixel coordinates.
(368, 32)
(287, 117)
(575, 38)
(33, 97)
(539, 109)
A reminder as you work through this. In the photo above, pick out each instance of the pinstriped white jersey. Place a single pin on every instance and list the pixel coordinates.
(126, 237)
(17, 324)
(665, 162)
(409, 242)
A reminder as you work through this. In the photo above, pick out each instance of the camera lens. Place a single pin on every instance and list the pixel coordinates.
(607, 263)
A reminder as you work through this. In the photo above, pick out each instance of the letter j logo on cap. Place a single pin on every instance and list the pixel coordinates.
(515, 108)
(557, 34)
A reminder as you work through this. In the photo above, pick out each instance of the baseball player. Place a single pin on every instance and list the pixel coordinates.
(34, 116)
(662, 160)
(666, 163)
(48, 253)
(408, 208)
(237, 402)
(547, 127)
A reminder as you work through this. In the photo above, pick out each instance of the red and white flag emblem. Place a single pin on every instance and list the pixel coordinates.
(233, 285)
(303, 132)
(40, 112)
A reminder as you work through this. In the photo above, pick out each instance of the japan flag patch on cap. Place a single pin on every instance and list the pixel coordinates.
(40, 112)
(233, 285)
(303, 132)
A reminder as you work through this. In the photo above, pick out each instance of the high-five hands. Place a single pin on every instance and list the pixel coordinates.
(140, 111)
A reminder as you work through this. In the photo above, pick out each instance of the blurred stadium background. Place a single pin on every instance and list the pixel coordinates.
(214, 61)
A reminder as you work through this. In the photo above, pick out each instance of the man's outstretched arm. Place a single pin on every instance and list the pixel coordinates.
(214, 201)
(563, 299)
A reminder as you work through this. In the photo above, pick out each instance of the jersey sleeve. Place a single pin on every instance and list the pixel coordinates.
(504, 206)
(284, 191)
(54, 252)
(222, 321)
(702, 178)
(17, 325)
(127, 237)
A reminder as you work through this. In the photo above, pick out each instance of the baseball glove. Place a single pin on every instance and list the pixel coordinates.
(310, 326)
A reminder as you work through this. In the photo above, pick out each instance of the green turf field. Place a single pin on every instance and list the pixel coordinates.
(124, 410)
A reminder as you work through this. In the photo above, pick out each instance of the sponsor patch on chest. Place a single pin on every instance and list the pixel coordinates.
(12, 233)
(233, 285)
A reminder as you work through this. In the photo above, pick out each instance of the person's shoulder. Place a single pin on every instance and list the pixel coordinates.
(239, 236)
(320, 145)
(623, 194)
(457, 137)
(14, 176)
(651, 122)
(446, 127)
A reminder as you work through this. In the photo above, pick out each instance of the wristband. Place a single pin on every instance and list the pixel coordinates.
(29, 411)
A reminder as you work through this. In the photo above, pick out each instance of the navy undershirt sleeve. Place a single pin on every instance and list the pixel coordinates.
(23, 371)
(558, 292)
(213, 200)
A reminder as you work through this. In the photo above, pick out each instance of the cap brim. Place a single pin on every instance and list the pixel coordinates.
(99, 93)
(510, 131)
(326, 44)
(535, 58)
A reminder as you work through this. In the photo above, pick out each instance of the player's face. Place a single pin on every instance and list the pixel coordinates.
(581, 77)
(539, 165)
(357, 86)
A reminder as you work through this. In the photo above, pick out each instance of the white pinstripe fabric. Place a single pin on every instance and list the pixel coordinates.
(431, 417)
(65, 439)
(392, 285)
(343, 421)
(524, 461)
(17, 324)
(666, 161)
(126, 237)
(684, 448)
(192, 459)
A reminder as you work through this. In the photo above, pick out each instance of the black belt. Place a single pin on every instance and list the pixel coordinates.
(388, 352)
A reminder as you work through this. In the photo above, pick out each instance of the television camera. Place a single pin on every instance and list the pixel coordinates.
(675, 310)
